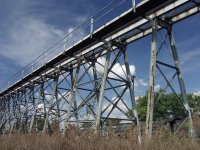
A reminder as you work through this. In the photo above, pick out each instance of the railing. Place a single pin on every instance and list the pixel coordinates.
(100, 18)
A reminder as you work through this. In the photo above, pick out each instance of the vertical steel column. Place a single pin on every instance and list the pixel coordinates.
(43, 96)
(95, 78)
(19, 100)
(57, 101)
(150, 106)
(45, 127)
(72, 99)
(35, 108)
(3, 114)
(15, 114)
(22, 115)
(103, 85)
(8, 118)
(30, 100)
(181, 81)
(6, 114)
(25, 112)
(132, 94)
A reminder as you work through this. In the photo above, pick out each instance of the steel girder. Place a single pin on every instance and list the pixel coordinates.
(85, 89)
(169, 68)
(87, 92)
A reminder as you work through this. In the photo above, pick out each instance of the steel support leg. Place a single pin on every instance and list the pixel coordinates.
(35, 109)
(72, 99)
(45, 127)
(15, 115)
(95, 78)
(30, 100)
(132, 94)
(43, 98)
(23, 113)
(150, 106)
(181, 81)
(103, 84)
(58, 106)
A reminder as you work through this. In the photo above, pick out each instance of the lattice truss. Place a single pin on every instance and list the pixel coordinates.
(85, 92)
(95, 85)
(165, 62)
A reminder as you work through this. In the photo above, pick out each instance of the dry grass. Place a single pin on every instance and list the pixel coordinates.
(87, 139)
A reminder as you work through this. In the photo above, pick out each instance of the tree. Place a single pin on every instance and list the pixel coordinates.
(164, 104)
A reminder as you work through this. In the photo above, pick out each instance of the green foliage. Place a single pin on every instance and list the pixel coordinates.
(165, 103)
(194, 102)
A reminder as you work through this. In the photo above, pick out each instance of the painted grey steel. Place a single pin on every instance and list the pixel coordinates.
(155, 64)
(103, 83)
(46, 123)
(35, 109)
(150, 105)
(132, 95)
(72, 99)
(171, 6)
(181, 81)
(88, 83)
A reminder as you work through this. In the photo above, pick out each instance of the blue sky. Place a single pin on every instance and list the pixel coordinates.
(29, 27)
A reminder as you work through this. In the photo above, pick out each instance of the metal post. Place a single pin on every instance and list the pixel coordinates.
(35, 109)
(15, 114)
(5, 116)
(22, 115)
(72, 98)
(103, 84)
(43, 96)
(133, 5)
(45, 127)
(19, 100)
(132, 94)
(96, 82)
(30, 99)
(150, 106)
(181, 81)
(91, 26)
(3, 106)
(57, 105)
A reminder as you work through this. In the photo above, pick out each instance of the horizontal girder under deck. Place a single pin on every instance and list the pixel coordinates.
(125, 23)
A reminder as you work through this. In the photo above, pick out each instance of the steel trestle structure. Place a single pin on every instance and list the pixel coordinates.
(81, 86)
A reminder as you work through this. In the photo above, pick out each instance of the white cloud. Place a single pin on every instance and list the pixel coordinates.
(121, 71)
(142, 82)
(118, 69)
(196, 93)
(116, 113)
(157, 87)
(28, 38)
(70, 30)
(40, 106)
(137, 97)
(27, 34)
(140, 85)
(189, 55)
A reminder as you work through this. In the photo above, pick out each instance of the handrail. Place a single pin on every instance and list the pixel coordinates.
(72, 39)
